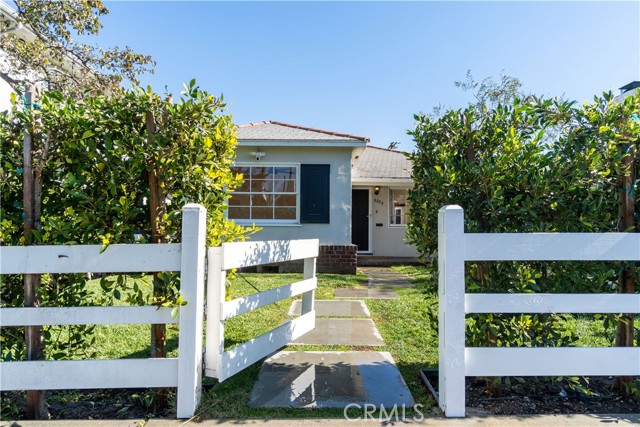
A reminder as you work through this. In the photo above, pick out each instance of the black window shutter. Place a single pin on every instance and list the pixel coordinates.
(314, 193)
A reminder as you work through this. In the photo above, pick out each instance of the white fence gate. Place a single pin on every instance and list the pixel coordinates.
(184, 372)
(222, 364)
(189, 257)
(457, 361)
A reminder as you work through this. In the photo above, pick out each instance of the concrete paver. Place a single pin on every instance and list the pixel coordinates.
(342, 332)
(318, 379)
(384, 277)
(333, 308)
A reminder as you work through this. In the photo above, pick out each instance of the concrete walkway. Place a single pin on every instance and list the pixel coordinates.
(380, 284)
(332, 379)
(578, 420)
(385, 277)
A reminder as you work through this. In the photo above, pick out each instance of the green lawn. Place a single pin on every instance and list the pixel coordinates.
(403, 323)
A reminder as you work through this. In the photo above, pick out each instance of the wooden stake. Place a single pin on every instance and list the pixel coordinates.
(627, 285)
(156, 209)
(33, 335)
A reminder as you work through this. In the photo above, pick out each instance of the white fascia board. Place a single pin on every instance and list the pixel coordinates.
(299, 143)
(382, 181)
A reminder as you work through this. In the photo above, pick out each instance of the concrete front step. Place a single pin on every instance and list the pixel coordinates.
(304, 379)
(355, 332)
(334, 308)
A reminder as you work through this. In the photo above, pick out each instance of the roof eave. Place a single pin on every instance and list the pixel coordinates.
(299, 143)
(381, 181)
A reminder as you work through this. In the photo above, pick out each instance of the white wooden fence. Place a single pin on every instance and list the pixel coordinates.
(183, 372)
(457, 361)
(222, 364)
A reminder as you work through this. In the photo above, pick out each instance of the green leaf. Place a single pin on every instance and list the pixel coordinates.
(87, 134)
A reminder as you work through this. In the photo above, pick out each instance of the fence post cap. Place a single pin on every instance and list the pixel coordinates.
(193, 207)
(449, 208)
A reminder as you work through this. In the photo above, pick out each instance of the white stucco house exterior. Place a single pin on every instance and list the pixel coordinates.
(302, 182)
(381, 179)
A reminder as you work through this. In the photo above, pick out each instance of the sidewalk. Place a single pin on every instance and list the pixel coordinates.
(579, 420)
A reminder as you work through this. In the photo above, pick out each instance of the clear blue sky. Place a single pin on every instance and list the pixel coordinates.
(366, 67)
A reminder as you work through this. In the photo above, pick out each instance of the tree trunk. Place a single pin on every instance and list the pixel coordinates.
(156, 209)
(32, 201)
(627, 285)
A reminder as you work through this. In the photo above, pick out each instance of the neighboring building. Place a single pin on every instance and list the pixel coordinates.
(8, 24)
(627, 90)
(302, 183)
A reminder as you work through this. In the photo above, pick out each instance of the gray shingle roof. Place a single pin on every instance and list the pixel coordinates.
(381, 163)
(278, 131)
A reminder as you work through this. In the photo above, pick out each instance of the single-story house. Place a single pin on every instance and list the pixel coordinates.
(303, 183)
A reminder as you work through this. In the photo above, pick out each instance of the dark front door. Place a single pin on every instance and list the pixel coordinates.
(360, 219)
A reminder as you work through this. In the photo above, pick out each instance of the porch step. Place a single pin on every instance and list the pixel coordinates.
(384, 261)
(360, 332)
(317, 379)
(333, 308)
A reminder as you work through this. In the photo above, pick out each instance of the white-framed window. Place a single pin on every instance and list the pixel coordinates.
(269, 194)
(398, 206)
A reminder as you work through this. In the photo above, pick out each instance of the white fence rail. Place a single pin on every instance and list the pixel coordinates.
(184, 372)
(457, 361)
(222, 364)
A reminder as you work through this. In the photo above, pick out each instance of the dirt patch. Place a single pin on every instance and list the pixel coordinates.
(88, 404)
(533, 396)
(542, 396)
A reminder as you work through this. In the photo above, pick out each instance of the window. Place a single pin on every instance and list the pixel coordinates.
(268, 194)
(398, 206)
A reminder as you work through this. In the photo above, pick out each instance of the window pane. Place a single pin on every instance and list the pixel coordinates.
(285, 213)
(245, 171)
(262, 213)
(239, 213)
(245, 175)
(284, 186)
(245, 187)
(285, 172)
(398, 206)
(240, 200)
(260, 186)
(261, 173)
(261, 200)
(285, 199)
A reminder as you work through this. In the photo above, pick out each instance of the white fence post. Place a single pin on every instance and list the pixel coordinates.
(194, 236)
(451, 314)
(309, 296)
(216, 292)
